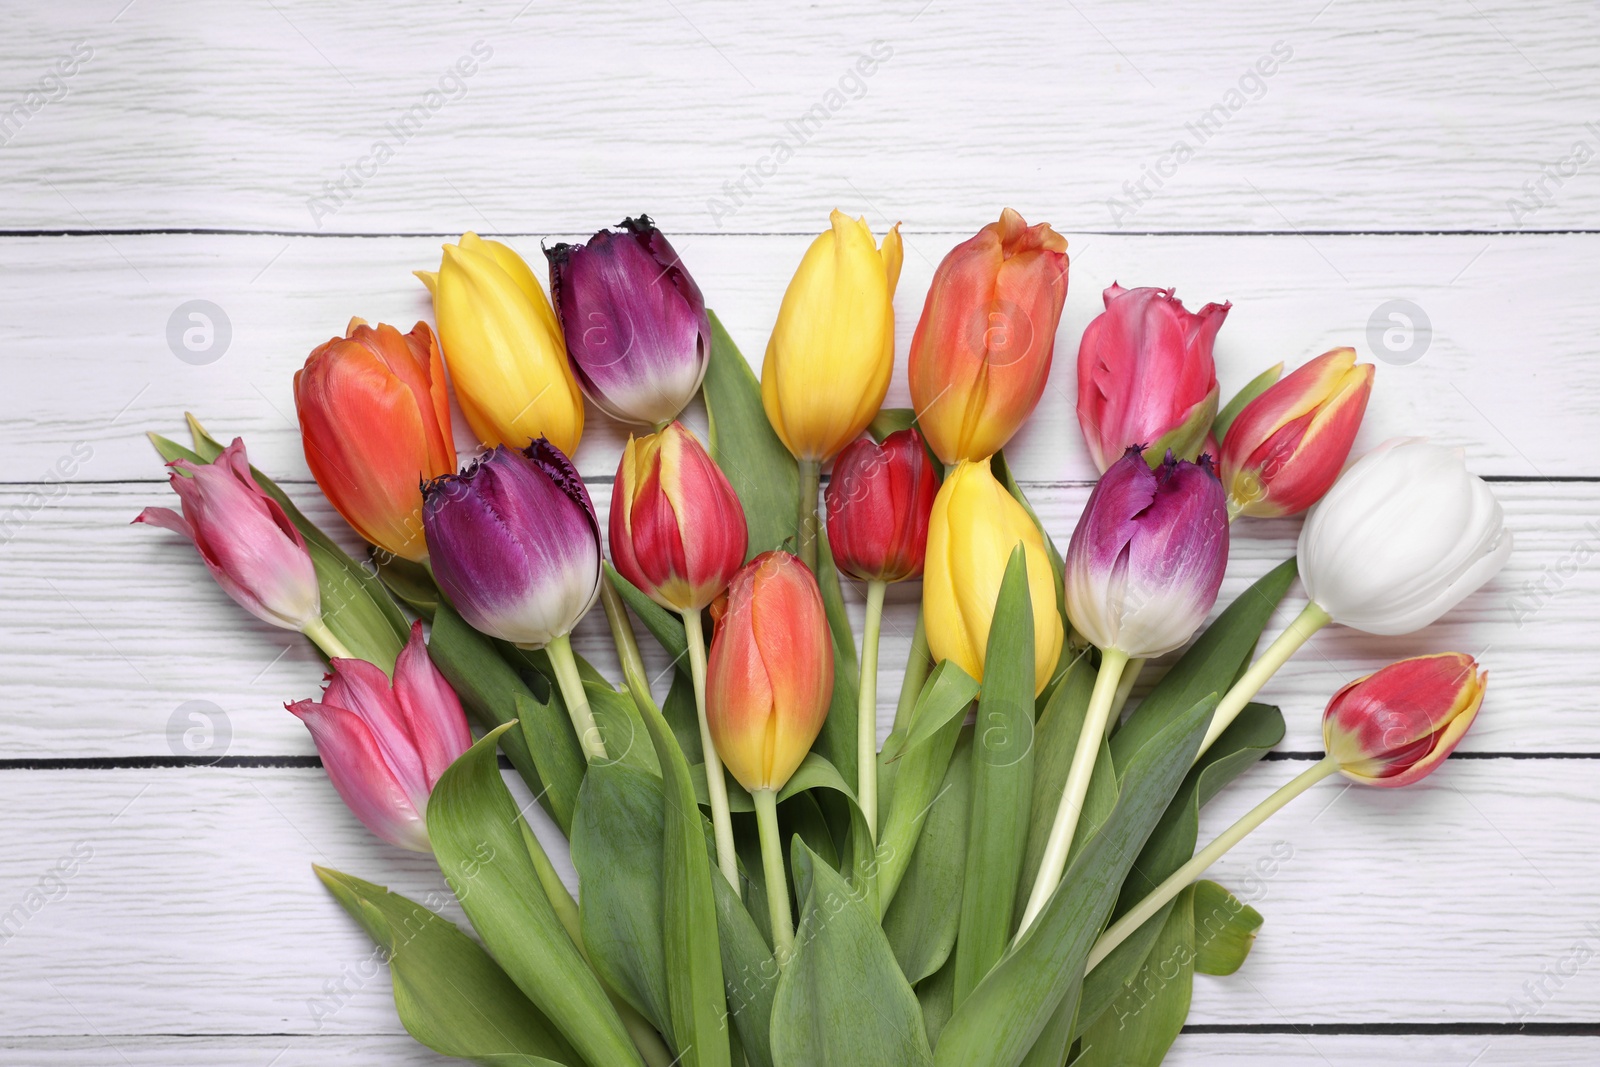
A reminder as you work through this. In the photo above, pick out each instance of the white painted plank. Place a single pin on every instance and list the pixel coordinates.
(374, 1050)
(1511, 370)
(111, 630)
(208, 114)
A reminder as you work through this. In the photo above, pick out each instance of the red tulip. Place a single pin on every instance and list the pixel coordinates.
(375, 420)
(1146, 377)
(879, 500)
(1396, 726)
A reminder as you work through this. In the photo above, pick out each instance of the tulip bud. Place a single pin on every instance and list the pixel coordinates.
(385, 747)
(375, 422)
(972, 530)
(879, 500)
(1287, 446)
(1396, 726)
(832, 348)
(1146, 559)
(244, 538)
(515, 544)
(504, 348)
(677, 527)
(983, 346)
(635, 323)
(1146, 376)
(770, 676)
(1402, 537)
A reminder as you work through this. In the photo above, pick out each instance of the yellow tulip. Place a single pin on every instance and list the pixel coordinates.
(503, 347)
(974, 526)
(832, 348)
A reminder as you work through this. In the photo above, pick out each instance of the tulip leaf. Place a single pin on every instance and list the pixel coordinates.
(828, 582)
(682, 714)
(842, 1000)
(936, 994)
(411, 582)
(758, 466)
(749, 971)
(1256, 386)
(620, 725)
(947, 694)
(1141, 1025)
(891, 420)
(1002, 472)
(1224, 929)
(472, 822)
(1000, 1021)
(922, 921)
(450, 994)
(1050, 1048)
(663, 625)
(1002, 783)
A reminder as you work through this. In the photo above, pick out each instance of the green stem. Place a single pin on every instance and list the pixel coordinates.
(806, 518)
(1056, 849)
(867, 711)
(918, 666)
(766, 801)
(1175, 883)
(577, 701)
(627, 646)
(1130, 678)
(327, 640)
(716, 781)
(1308, 622)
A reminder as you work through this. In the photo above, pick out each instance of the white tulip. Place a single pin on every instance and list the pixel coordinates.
(1402, 537)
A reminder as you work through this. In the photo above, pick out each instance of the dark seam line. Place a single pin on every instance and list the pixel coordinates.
(204, 231)
(1401, 1029)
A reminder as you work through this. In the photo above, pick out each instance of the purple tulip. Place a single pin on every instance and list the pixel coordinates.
(385, 747)
(1147, 558)
(636, 326)
(515, 544)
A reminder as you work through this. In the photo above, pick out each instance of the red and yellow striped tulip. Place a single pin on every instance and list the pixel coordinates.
(1396, 726)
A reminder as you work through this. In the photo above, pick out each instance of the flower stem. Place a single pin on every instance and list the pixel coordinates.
(1311, 619)
(627, 646)
(716, 782)
(327, 640)
(918, 666)
(577, 701)
(1130, 678)
(806, 524)
(1175, 883)
(867, 711)
(777, 880)
(1059, 844)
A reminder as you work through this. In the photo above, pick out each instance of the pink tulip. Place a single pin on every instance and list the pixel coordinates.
(1396, 726)
(244, 538)
(385, 747)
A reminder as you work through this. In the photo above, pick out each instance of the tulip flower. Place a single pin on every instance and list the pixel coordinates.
(678, 533)
(1146, 376)
(504, 348)
(1142, 573)
(375, 423)
(879, 500)
(1388, 729)
(1287, 446)
(769, 684)
(515, 548)
(384, 747)
(831, 353)
(635, 323)
(982, 349)
(974, 526)
(1403, 536)
(247, 542)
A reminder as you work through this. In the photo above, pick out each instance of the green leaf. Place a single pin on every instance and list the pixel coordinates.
(842, 1001)
(922, 921)
(1002, 783)
(945, 696)
(1050, 1048)
(621, 726)
(1002, 472)
(1146, 1019)
(749, 971)
(829, 582)
(936, 994)
(683, 715)
(472, 822)
(759, 467)
(1257, 385)
(891, 420)
(411, 582)
(1003, 1017)
(450, 995)
(555, 752)
(1224, 929)
(663, 625)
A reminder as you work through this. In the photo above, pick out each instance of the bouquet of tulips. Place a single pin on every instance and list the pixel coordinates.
(1012, 875)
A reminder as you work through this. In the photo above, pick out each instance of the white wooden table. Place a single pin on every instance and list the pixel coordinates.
(156, 898)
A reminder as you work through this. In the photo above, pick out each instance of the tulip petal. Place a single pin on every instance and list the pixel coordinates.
(435, 719)
(355, 764)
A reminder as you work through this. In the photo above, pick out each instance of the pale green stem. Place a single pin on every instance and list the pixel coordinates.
(1059, 845)
(766, 801)
(918, 667)
(806, 524)
(1179, 879)
(327, 640)
(577, 701)
(716, 781)
(1308, 622)
(627, 646)
(867, 711)
(1130, 678)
